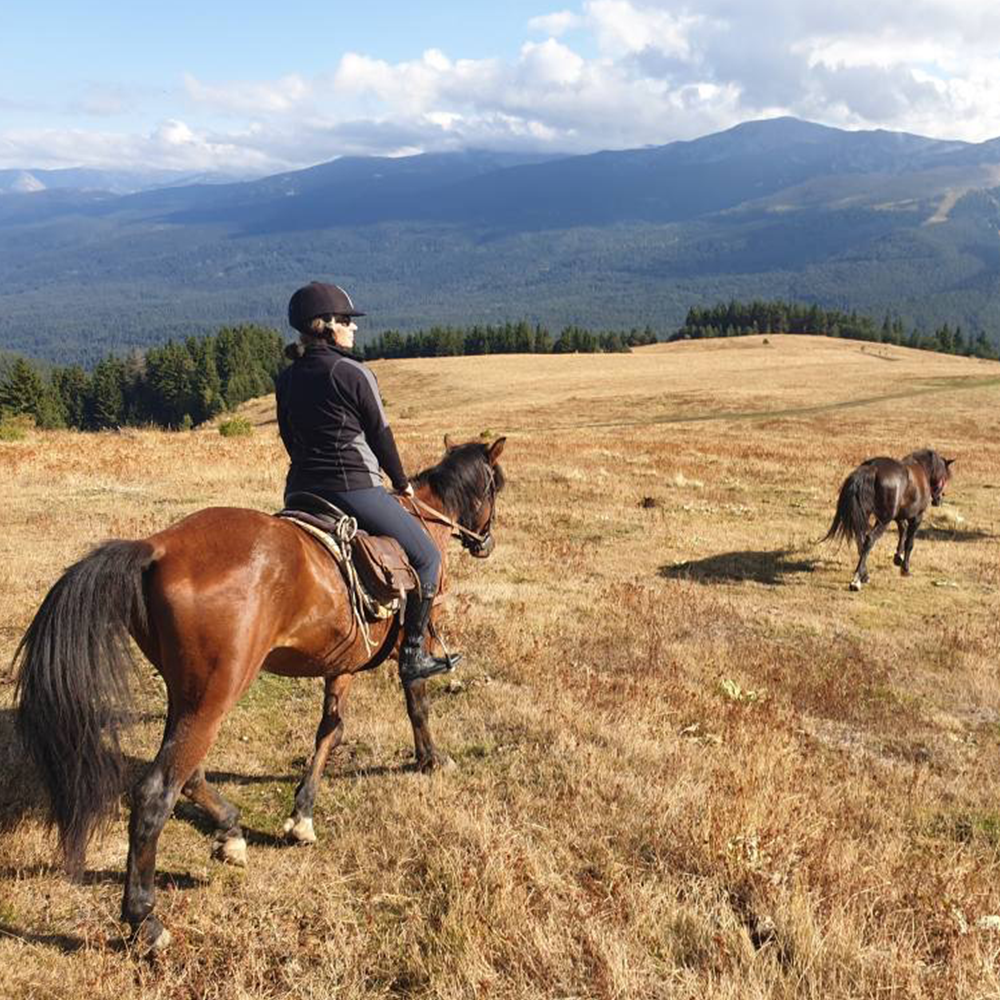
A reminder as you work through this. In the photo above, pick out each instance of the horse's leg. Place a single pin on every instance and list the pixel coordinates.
(911, 535)
(902, 527)
(428, 756)
(299, 826)
(230, 845)
(871, 537)
(189, 734)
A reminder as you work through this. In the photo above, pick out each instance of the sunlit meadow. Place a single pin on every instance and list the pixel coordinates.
(690, 762)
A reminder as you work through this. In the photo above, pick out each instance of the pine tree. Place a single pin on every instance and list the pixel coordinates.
(206, 384)
(524, 338)
(50, 413)
(241, 378)
(106, 403)
(170, 377)
(73, 387)
(22, 391)
(945, 339)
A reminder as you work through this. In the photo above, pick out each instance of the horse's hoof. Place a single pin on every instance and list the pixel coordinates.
(151, 937)
(440, 763)
(897, 560)
(231, 851)
(904, 572)
(300, 831)
(855, 585)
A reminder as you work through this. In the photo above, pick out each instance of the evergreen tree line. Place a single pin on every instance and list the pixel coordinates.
(510, 338)
(737, 319)
(180, 384)
(184, 383)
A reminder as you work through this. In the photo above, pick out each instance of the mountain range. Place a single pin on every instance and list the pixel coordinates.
(870, 220)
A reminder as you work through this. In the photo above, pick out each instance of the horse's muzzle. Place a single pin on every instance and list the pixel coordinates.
(481, 549)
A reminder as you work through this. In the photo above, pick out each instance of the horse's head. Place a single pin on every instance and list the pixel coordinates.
(939, 473)
(467, 481)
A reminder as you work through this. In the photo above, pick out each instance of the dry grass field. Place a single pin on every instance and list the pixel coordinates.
(690, 762)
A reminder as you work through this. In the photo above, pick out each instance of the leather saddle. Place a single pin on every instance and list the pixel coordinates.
(379, 561)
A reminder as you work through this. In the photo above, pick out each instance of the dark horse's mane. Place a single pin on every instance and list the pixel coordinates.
(932, 462)
(458, 479)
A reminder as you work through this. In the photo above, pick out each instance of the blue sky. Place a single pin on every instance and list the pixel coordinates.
(259, 87)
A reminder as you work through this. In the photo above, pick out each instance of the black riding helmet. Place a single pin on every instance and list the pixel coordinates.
(318, 299)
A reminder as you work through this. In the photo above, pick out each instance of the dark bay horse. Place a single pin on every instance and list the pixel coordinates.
(211, 601)
(882, 490)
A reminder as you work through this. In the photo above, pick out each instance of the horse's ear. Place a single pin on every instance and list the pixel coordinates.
(494, 451)
(948, 462)
(448, 443)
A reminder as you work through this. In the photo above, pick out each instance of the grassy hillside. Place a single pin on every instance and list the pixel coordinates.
(690, 762)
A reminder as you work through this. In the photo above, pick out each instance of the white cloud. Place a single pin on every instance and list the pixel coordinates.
(174, 133)
(623, 27)
(550, 64)
(555, 24)
(172, 145)
(633, 72)
(271, 97)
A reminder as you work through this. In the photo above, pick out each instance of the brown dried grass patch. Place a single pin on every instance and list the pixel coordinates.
(690, 762)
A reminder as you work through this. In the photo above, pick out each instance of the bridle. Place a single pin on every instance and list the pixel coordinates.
(472, 541)
(937, 490)
(485, 537)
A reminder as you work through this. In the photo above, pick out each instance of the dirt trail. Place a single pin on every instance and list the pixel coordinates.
(956, 385)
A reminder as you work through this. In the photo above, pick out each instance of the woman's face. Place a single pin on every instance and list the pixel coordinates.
(343, 328)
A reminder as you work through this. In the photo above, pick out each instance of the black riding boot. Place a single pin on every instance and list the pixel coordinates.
(415, 663)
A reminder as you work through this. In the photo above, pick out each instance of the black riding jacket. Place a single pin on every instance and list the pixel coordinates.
(333, 424)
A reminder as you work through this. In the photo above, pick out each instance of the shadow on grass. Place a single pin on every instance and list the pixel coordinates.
(21, 792)
(932, 534)
(769, 568)
(69, 943)
(22, 795)
(231, 778)
(61, 942)
(197, 818)
(379, 770)
(334, 771)
(163, 880)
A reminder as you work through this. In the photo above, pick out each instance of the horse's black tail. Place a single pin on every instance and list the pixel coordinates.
(855, 506)
(73, 691)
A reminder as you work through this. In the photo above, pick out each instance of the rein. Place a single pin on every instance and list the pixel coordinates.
(456, 529)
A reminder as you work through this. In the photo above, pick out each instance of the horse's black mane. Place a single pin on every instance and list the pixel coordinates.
(458, 479)
(932, 462)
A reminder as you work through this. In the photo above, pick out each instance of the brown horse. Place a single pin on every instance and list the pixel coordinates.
(886, 490)
(211, 602)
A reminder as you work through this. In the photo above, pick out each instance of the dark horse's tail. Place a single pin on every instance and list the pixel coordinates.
(73, 688)
(854, 506)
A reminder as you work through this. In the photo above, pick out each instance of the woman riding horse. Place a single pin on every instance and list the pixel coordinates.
(212, 601)
(336, 433)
